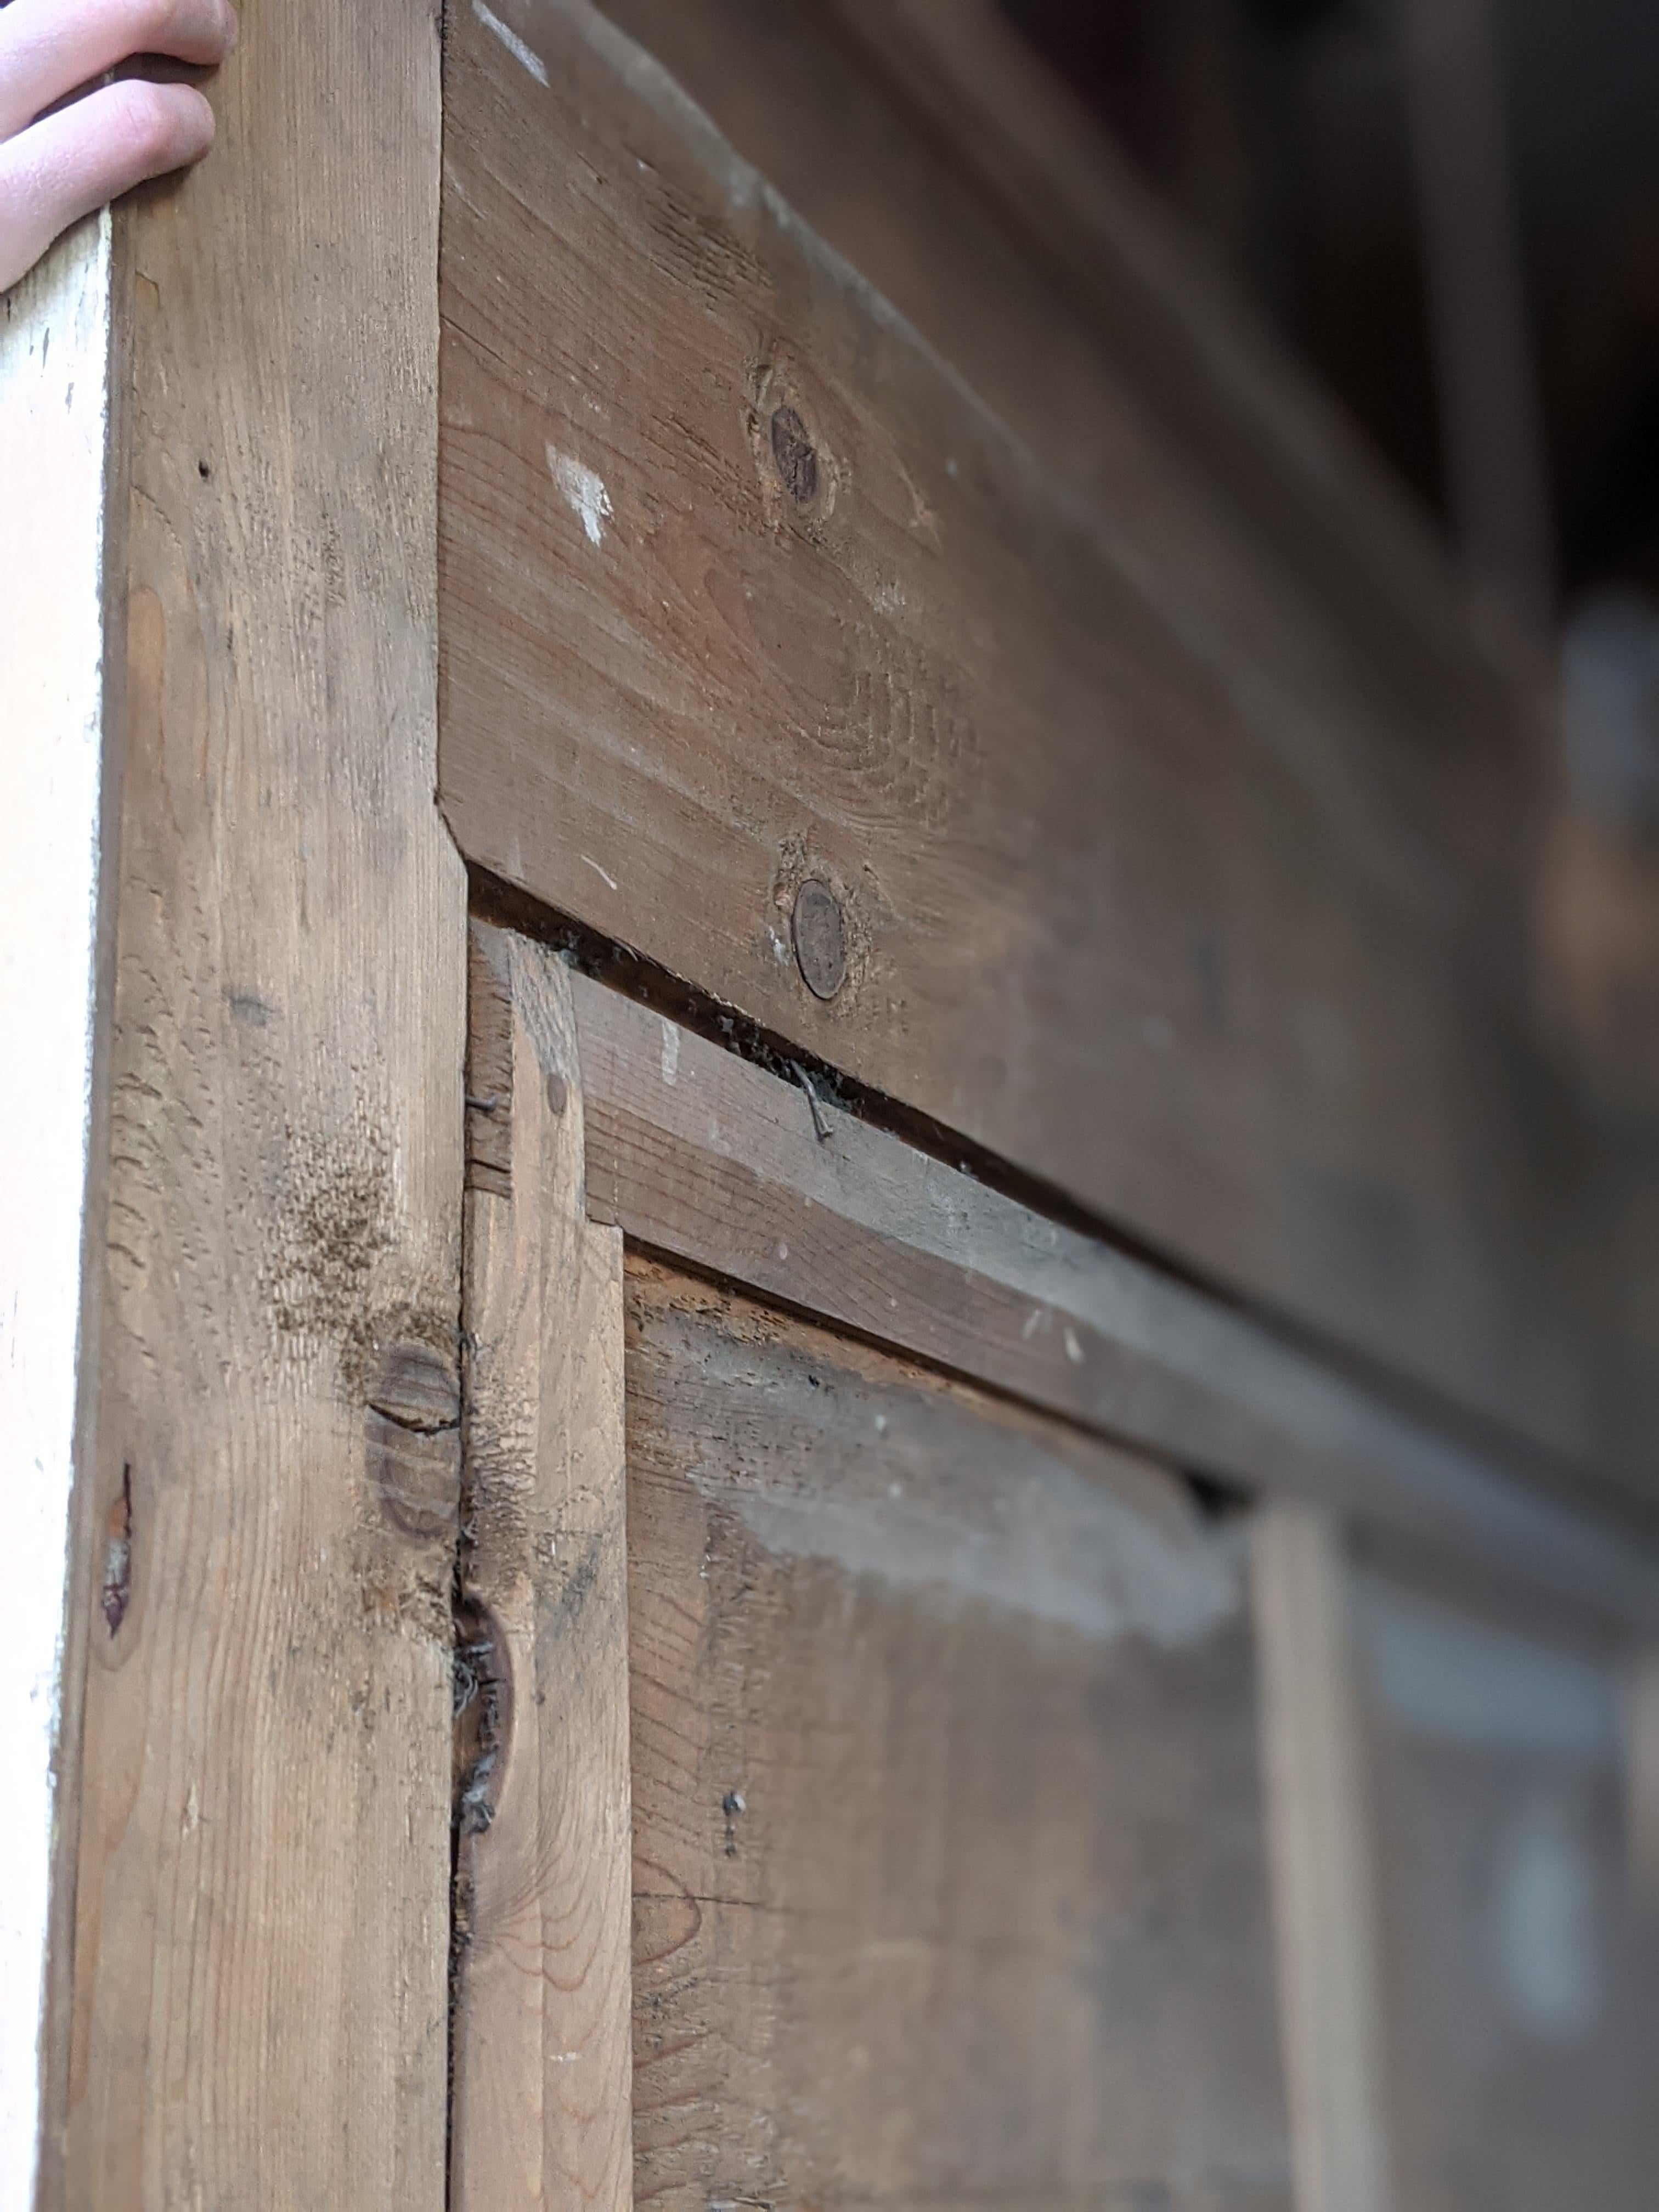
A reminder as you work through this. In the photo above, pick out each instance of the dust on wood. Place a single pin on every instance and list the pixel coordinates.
(944, 1884)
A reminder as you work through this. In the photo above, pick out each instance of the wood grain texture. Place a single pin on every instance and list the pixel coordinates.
(542, 2058)
(1177, 925)
(697, 1154)
(1319, 1822)
(1521, 1977)
(261, 1908)
(949, 1855)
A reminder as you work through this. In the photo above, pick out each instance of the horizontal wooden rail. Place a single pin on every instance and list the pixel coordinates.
(705, 1155)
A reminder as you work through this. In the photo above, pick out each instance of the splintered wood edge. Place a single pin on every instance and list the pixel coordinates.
(713, 1161)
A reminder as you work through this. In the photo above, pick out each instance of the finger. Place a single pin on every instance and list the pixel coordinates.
(61, 169)
(50, 48)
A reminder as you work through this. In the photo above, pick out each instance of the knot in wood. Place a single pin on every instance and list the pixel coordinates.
(796, 456)
(819, 930)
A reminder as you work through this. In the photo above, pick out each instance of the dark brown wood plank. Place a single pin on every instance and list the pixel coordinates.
(949, 1856)
(703, 1155)
(1103, 918)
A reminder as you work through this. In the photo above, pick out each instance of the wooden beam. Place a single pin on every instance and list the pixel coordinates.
(543, 2066)
(262, 1880)
(697, 1152)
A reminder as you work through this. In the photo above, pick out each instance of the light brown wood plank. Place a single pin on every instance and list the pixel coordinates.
(698, 1153)
(1115, 910)
(261, 1886)
(950, 1864)
(1319, 1822)
(543, 2062)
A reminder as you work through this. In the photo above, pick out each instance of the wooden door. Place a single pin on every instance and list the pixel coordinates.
(723, 1571)
(948, 1855)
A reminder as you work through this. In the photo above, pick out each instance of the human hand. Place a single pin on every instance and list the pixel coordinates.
(56, 168)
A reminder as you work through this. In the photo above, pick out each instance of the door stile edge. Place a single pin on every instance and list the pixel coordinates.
(541, 1990)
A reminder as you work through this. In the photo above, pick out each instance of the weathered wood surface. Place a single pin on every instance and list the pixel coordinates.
(542, 2053)
(699, 1153)
(262, 1886)
(1521, 1978)
(1041, 264)
(1222, 938)
(949, 1862)
(1324, 1882)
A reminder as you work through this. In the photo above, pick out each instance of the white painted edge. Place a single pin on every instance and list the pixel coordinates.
(54, 415)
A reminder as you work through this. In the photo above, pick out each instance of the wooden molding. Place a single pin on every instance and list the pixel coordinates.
(700, 1154)
(543, 2053)
(1324, 1882)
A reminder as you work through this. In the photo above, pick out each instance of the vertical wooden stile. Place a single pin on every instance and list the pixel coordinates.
(259, 1867)
(542, 2053)
(1319, 1852)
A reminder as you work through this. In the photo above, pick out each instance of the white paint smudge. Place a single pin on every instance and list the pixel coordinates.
(1544, 1924)
(510, 38)
(1073, 1349)
(584, 492)
(1068, 1552)
(1447, 1676)
(670, 1054)
(604, 873)
(974, 1517)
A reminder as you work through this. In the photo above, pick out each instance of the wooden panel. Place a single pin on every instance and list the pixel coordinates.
(698, 1153)
(542, 2060)
(261, 1905)
(1164, 935)
(949, 1856)
(1523, 1983)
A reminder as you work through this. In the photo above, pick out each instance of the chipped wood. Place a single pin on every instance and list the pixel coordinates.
(543, 2069)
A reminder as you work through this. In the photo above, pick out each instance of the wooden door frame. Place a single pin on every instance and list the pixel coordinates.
(247, 1985)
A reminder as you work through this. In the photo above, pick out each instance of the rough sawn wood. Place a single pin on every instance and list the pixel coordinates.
(1179, 938)
(542, 2059)
(261, 1874)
